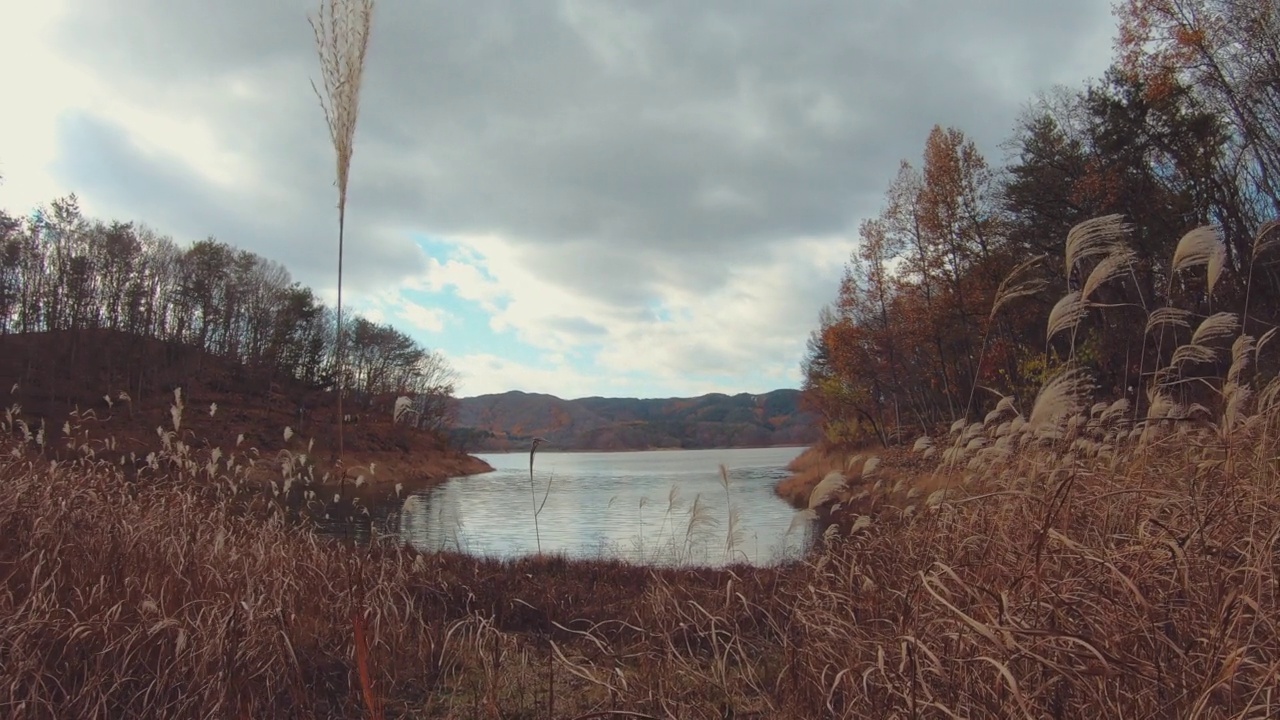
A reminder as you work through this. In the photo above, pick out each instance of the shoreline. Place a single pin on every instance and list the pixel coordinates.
(547, 448)
(391, 473)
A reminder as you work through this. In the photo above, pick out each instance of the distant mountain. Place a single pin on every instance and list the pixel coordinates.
(510, 420)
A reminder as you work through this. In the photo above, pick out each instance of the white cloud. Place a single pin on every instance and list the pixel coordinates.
(33, 101)
(748, 326)
(754, 325)
(46, 87)
(618, 37)
(392, 305)
(532, 304)
(466, 277)
(423, 318)
(372, 313)
(483, 373)
(748, 331)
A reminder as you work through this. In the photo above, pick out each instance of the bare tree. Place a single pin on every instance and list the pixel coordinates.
(342, 38)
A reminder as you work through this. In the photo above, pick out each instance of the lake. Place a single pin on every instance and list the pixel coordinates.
(656, 507)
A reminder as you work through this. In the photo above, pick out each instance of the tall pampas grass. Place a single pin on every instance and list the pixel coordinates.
(341, 30)
(1242, 353)
(533, 497)
(1066, 314)
(1019, 283)
(1262, 343)
(1169, 315)
(832, 484)
(1094, 237)
(1199, 351)
(1269, 398)
(1193, 354)
(1215, 327)
(1201, 247)
(1003, 408)
(1115, 264)
(1267, 239)
(1063, 395)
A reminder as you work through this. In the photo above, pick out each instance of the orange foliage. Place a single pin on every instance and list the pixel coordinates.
(1160, 39)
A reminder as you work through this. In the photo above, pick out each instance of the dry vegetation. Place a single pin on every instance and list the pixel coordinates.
(807, 470)
(1072, 561)
(1144, 591)
(817, 463)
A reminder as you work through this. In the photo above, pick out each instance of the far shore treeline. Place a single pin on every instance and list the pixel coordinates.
(63, 272)
(1183, 131)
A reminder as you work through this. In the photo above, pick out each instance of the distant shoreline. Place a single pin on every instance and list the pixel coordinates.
(562, 451)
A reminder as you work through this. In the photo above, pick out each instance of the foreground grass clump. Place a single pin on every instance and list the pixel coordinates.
(1134, 584)
(162, 597)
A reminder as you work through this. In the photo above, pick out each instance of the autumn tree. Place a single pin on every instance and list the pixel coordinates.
(919, 277)
(960, 221)
(1228, 53)
(904, 343)
(117, 258)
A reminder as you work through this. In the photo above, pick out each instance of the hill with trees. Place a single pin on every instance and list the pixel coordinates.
(112, 318)
(509, 421)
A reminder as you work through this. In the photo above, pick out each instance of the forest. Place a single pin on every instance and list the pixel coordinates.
(940, 310)
(61, 271)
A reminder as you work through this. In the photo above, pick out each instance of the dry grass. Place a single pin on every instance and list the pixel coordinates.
(1064, 587)
(1061, 561)
(166, 596)
(808, 469)
(1061, 583)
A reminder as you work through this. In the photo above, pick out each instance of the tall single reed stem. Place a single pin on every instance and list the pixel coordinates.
(342, 38)
(533, 495)
(338, 341)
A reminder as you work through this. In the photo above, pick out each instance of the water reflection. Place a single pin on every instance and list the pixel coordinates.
(661, 507)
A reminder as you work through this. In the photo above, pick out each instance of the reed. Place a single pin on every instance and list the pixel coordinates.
(341, 29)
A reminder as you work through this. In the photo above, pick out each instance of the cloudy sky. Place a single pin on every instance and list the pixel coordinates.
(581, 197)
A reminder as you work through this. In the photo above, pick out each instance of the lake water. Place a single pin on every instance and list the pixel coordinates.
(657, 507)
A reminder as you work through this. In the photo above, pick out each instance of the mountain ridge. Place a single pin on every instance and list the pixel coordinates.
(510, 420)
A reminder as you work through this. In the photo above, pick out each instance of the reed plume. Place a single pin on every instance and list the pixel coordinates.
(1116, 263)
(1169, 315)
(1059, 397)
(832, 484)
(1094, 237)
(1066, 314)
(1201, 246)
(341, 30)
(1017, 284)
(1216, 326)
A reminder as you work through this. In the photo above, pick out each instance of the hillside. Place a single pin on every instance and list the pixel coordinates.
(48, 375)
(509, 420)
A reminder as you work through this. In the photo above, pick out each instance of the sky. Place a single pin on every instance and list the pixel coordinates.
(576, 197)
